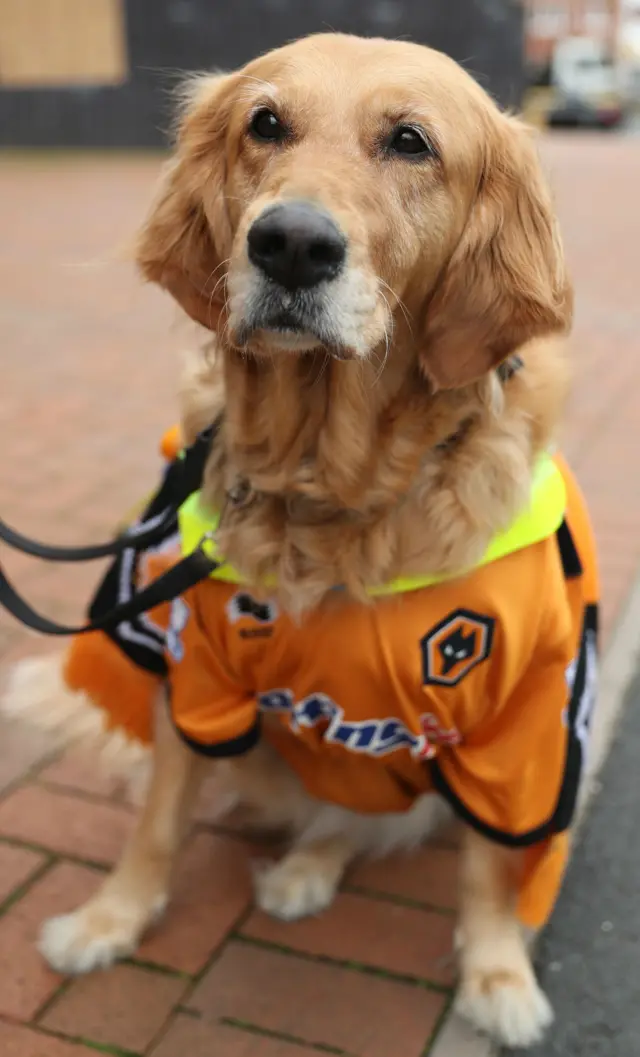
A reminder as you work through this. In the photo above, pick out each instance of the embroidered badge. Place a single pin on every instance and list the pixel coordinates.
(454, 646)
(242, 605)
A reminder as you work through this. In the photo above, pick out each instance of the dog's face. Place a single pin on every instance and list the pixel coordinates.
(338, 192)
(338, 185)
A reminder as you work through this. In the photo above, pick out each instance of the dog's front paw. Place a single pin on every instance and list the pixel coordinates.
(294, 888)
(505, 1003)
(93, 937)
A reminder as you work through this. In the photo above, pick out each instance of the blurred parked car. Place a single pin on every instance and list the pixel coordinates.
(586, 86)
(580, 88)
(580, 113)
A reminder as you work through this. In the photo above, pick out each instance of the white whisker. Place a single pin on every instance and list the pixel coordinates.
(400, 303)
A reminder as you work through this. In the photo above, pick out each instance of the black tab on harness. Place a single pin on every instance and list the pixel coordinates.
(571, 564)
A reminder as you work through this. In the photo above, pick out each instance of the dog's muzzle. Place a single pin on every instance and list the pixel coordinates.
(296, 245)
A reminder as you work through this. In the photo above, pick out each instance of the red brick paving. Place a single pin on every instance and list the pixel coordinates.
(18, 1041)
(429, 876)
(65, 823)
(17, 865)
(323, 1004)
(212, 891)
(125, 1008)
(399, 939)
(77, 772)
(26, 983)
(201, 1038)
(89, 366)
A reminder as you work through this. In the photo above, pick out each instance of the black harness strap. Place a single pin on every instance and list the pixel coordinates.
(182, 477)
(118, 607)
(188, 572)
(90, 553)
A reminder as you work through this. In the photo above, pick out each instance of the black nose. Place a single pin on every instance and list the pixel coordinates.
(296, 245)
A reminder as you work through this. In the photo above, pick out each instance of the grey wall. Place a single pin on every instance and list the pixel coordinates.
(165, 36)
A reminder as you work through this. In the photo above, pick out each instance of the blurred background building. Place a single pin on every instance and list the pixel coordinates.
(99, 72)
(550, 21)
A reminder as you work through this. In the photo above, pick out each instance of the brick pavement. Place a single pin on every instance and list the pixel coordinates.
(89, 365)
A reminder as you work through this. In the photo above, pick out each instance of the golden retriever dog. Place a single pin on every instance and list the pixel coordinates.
(372, 247)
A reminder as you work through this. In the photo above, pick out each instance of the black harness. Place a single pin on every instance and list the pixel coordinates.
(118, 608)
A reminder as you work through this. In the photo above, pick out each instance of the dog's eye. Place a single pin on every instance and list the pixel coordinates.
(267, 127)
(410, 141)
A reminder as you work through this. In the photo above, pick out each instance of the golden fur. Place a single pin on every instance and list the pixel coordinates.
(454, 264)
(464, 265)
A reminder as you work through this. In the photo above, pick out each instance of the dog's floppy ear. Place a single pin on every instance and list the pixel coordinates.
(186, 234)
(505, 283)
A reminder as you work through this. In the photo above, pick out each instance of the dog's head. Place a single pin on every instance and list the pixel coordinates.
(337, 187)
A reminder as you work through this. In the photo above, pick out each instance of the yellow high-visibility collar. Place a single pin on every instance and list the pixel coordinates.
(542, 518)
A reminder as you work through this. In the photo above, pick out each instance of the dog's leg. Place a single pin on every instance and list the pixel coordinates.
(305, 881)
(498, 990)
(111, 923)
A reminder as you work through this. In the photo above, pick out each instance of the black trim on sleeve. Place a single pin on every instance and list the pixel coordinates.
(221, 750)
(509, 840)
(579, 710)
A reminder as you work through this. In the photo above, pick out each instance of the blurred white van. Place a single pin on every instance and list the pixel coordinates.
(587, 84)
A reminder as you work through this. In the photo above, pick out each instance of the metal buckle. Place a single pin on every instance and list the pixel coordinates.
(241, 493)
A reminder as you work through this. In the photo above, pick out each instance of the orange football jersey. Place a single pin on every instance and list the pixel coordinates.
(480, 687)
